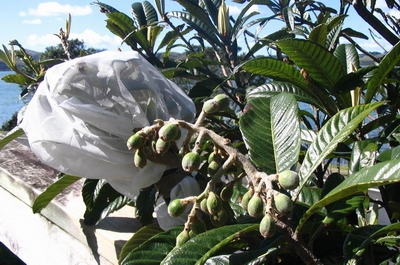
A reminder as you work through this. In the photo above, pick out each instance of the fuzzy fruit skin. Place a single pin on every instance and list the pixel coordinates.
(227, 192)
(203, 206)
(140, 159)
(210, 106)
(255, 208)
(223, 101)
(283, 204)
(220, 218)
(267, 226)
(197, 226)
(213, 168)
(162, 146)
(246, 198)
(169, 132)
(135, 141)
(191, 162)
(288, 179)
(214, 203)
(176, 208)
(178, 135)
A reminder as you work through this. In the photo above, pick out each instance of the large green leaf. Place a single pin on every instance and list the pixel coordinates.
(363, 154)
(16, 79)
(357, 240)
(243, 27)
(322, 65)
(105, 200)
(389, 154)
(205, 245)
(104, 7)
(212, 9)
(265, 41)
(277, 70)
(243, 17)
(355, 34)
(348, 57)
(122, 21)
(318, 34)
(308, 196)
(257, 256)
(169, 38)
(140, 236)
(271, 131)
(12, 135)
(205, 30)
(276, 87)
(337, 129)
(52, 191)
(343, 208)
(381, 174)
(7, 57)
(385, 67)
(138, 14)
(150, 13)
(196, 10)
(144, 205)
(353, 80)
(154, 250)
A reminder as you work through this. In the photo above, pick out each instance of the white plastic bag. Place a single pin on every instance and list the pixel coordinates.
(185, 188)
(84, 111)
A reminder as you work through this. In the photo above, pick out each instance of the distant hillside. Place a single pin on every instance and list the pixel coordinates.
(35, 55)
(364, 60)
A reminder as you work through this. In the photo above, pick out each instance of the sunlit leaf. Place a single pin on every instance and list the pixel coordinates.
(271, 132)
(385, 67)
(12, 135)
(318, 34)
(338, 128)
(357, 240)
(107, 201)
(153, 250)
(380, 174)
(140, 236)
(277, 70)
(205, 245)
(52, 191)
(322, 65)
(276, 87)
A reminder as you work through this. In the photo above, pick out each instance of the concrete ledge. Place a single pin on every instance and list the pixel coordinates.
(57, 235)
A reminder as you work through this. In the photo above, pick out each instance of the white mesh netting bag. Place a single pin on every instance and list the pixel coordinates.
(84, 111)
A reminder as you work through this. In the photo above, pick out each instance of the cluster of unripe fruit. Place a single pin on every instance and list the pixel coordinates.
(257, 201)
(254, 202)
(167, 134)
(160, 144)
(211, 205)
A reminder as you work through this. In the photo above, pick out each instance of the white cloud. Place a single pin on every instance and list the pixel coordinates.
(381, 4)
(372, 46)
(32, 21)
(48, 9)
(394, 13)
(235, 10)
(95, 40)
(46, 40)
(91, 39)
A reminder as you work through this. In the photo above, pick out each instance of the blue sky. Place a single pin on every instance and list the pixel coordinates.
(34, 22)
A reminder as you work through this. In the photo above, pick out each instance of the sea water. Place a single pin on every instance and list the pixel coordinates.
(10, 102)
